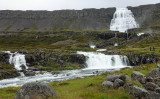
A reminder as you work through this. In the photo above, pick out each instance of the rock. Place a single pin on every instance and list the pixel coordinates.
(138, 93)
(9, 74)
(113, 77)
(35, 90)
(55, 72)
(157, 90)
(137, 59)
(154, 73)
(150, 86)
(149, 79)
(137, 76)
(29, 73)
(35, 68)
(23, 67)
(158, 82)
(107, 84)
(118, 83)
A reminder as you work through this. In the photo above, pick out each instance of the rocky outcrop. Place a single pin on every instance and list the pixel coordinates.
(137, 59)
(9, 74)
(43, 58)
(35, 90)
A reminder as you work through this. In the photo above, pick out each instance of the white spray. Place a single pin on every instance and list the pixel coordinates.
(102, 61)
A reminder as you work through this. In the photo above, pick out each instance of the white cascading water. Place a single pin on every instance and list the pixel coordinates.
(123, 19)
(92, 46)
(17, 60)
(102, 61)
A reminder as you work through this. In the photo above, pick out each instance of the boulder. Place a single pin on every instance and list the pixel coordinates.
(118, 83)
(157, 90)
(137, 76)
(138, 93)
(35, 90)
(158, 82)
(107, 84)
(150, 86)
(113, 77)
(29, 73)
(154, 73)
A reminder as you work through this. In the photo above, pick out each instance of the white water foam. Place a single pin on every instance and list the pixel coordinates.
(123, 19)
(17, 60)
(101, 61)
(92, 46)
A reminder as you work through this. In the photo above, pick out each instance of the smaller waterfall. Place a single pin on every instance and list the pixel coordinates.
(102, 61)
(17, 60)
(92, 46)
(123, 19)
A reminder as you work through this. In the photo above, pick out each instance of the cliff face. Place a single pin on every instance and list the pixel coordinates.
(87, 19)
(147, 15)
(76, 20)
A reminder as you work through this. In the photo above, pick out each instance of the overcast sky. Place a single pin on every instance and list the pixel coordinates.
(69, 4)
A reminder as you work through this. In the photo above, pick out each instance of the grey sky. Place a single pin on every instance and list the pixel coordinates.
(69, 4)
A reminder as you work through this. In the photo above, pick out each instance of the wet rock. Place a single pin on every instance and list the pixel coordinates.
(107, 84)
(137, 76)
(138, 93)
(35, 90)
(154, 73)
(29, 73)
(23, 67)
(55, 72)
(150, 86)
(35, 69)
(118, 83)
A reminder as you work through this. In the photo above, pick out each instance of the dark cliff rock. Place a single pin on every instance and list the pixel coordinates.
(147, 15)
(9, 74)
(55, 58)
(137, 59)
(87, 19)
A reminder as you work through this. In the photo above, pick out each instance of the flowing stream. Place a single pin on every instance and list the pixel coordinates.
(96, 63)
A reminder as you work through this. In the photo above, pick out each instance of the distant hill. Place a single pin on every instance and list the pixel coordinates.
(73, 20)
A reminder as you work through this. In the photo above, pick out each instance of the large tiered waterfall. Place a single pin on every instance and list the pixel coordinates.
(17, 60)
(101, 61)
(123, 19)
